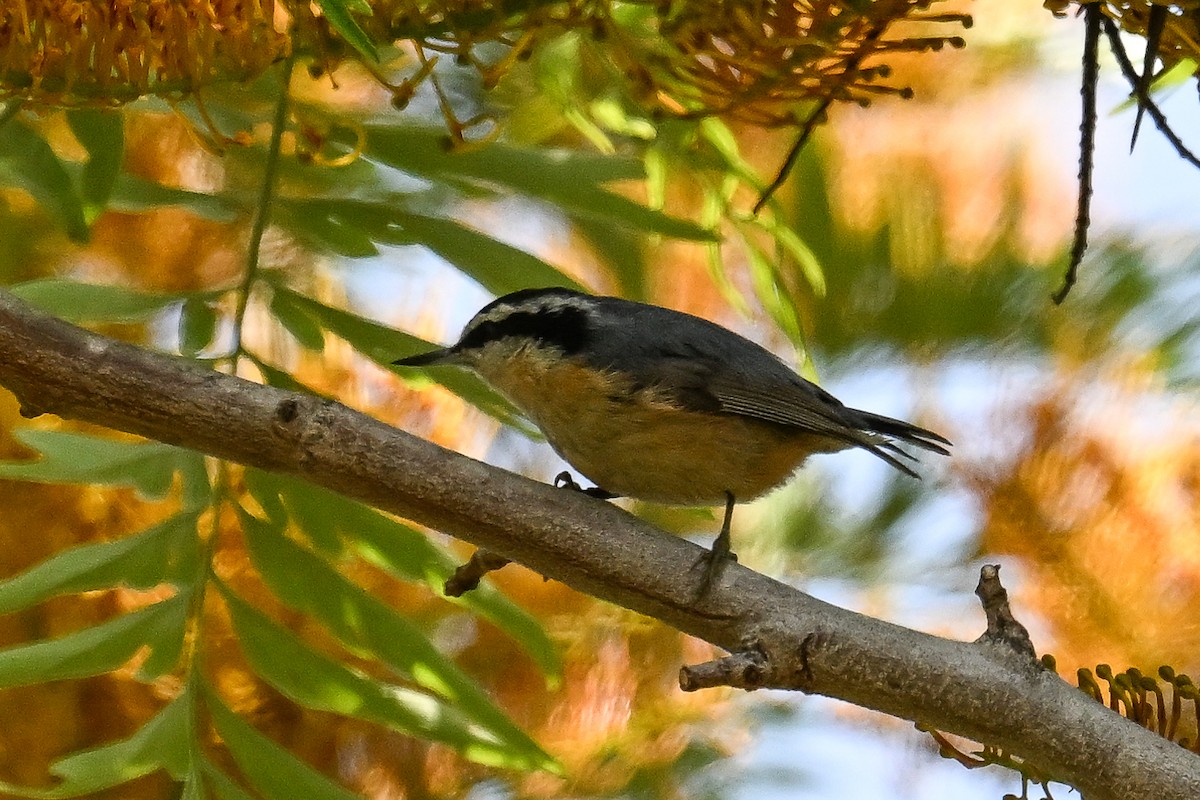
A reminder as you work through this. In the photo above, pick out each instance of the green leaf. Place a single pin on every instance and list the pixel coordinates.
(280, 378)
(337, 12)
(132, 194)
(391, 546)
(165, 553)
(399, 550)
(197, 325)
(570, 181)
(102, 134)
(724, 141)
(26, 160)
(102, 648)
(322, 232)
(90, 302)
(221, 784)
(318, 682)
(306, 582)
(383, 345)
(162, 743)
(271, 770)
(498, 267)
(789, 242)
(314, 512)
(298, 320)
(774, 300)
(69, 457)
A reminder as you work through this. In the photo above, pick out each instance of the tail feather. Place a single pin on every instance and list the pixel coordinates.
(883, 436)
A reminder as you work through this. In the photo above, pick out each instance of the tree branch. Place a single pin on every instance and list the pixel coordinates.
(985, 690)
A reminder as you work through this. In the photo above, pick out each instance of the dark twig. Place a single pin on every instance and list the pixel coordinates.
(1154, 29)
(851, 67)
(468, 575)
(789, 161)
(1002, 626)
(743, 670)
(1087, 145)
(948, 750)
(1113, 34)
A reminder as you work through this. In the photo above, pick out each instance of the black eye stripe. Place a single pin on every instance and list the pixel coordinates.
(563, 327)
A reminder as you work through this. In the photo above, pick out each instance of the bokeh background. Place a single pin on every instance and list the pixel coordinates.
(939, 225)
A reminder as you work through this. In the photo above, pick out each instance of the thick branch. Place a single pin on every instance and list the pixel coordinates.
(987, 691)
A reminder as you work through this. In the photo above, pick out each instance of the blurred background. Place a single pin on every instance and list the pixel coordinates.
(907, 265)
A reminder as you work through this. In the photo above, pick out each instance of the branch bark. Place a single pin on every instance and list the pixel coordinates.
(987, 690)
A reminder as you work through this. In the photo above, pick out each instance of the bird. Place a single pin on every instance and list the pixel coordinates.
(660, 405)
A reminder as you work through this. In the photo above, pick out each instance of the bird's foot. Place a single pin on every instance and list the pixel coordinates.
(715, 560)
(563, 480)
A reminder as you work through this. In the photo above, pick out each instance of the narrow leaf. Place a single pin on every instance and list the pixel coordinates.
(220, 784)
(197, 325)
(394, 547)
(298, 321)
(497, 266)
(90, 302)
(318, 682)
(340, 20)
(398, 549)
(271, 770)
(101, 648)
(307, 583)
(570, 181)
(102, 134)
(69, 457)
(29, 162)
(132, 194)
(321, 231)
(165, 553)
(162, 743)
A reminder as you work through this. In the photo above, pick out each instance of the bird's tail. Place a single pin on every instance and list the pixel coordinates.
(884, 435)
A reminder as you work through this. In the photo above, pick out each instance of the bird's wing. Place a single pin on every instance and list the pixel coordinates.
(791, 401)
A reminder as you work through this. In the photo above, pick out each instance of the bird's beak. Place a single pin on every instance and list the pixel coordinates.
(444, 355)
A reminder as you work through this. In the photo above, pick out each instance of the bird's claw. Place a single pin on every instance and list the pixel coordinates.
(563, 480)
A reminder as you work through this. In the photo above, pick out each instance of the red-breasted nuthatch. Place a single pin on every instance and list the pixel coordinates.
(659, 405)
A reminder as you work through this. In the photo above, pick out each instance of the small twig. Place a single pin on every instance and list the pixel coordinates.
(948, 750)
(262, 213)
(810, 124)
(742, 670)
(1002, 626)
(1154, 28)
(1113, 34)
(789, 160)
(467, 577)
(1087, 145)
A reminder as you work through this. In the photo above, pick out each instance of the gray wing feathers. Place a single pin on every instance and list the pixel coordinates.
(707, 368)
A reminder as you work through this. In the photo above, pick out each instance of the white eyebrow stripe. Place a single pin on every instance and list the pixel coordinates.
(541, 305)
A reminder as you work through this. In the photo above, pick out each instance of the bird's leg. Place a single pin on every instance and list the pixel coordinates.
(721, 550)
(563, 480)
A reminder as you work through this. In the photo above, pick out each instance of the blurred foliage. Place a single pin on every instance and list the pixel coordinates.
(185, 626)
(681, 58)
(1172, 29)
